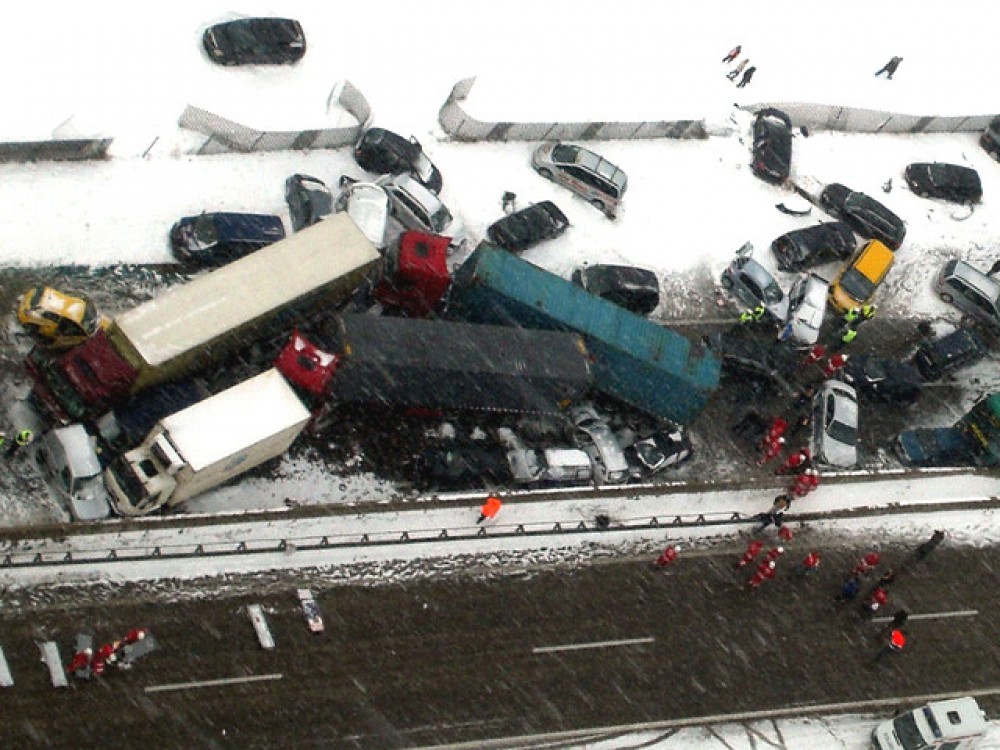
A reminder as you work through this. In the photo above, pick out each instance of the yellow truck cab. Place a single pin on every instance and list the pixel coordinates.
(957, 724)
(59, 320)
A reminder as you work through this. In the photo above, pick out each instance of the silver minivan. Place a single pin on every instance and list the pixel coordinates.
(583, 172)
(970, 290)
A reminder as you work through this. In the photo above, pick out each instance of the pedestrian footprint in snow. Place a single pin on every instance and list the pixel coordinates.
(747, 75)
(733, 53)
(890, 67)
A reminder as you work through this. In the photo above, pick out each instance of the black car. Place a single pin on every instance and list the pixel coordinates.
(813, 246)
(661, 450)
(521, 229)
(772, 145)
(883, 379)
(990, 139)
(961, 347)
(309, 200)
(214, 239)
(867, 217)
(255, 41)
(950, 182)
(635, 289)
(383, 152)
(463, 467)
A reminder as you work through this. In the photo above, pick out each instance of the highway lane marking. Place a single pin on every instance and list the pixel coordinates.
(595, 644)
(934, 615)
(213, 683)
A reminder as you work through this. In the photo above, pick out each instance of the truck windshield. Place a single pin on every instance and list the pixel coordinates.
(128, 482)
(910, 737)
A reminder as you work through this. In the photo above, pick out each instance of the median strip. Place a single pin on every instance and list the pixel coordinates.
(212, 683)
(595, 644)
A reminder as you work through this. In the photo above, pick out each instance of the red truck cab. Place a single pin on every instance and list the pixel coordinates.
(416, 274)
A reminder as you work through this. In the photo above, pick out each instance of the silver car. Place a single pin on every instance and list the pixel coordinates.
(583, 172)
(754, 285)
(416, 207)
(368, 204)
(970, 290)
(806, 308)
(596, 438)
(835, 424)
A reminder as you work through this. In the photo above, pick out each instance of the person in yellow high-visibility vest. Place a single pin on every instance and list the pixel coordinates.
(21, 439)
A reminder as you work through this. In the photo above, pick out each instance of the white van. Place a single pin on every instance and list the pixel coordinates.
(956, 724)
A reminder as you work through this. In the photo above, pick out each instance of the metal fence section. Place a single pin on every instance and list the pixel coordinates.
(856, 120)
(225, 135)
(77, 149)
(461, 126)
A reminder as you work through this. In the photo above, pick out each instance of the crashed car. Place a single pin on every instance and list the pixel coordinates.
(867, 217)
(383, 152)
(970, 290)
(883, 379)
(772, 145)
(56, 319)
(806, 309)
(661, 450)
(255, 41)
(835, 424)
(525, 228)
(583, 172)
(813, 246)
(950, 182)
(635, 289)
(309, 200)
(934, 446)
(754, 285)
(368, 204)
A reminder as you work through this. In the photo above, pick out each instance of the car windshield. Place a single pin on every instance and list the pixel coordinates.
(843, 433)
(204, 230)
(857, 286)
(909, 735)
(773, 293)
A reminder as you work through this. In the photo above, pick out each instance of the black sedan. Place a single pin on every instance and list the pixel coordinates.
(772, 145)
(813, 246)
(383, 152)
(883, 379)
(635, 289)
(867, 217)
(522, 229)
(255, 41)
(950, 182)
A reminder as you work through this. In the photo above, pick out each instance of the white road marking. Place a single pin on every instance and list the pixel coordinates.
(934, 615)
(213, 683)
(595, 644)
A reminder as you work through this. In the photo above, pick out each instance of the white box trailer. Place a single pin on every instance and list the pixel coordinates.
(204, 445)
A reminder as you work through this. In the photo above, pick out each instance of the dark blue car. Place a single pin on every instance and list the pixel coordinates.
(214, 239)
(934, 446)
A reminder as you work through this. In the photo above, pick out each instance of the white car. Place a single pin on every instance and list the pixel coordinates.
(596, 438)
(368, 204)
(835, 424)
(416, 207)
(806, 308)
(311, 610)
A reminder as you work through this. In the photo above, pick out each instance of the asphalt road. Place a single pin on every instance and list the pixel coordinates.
(455, 659)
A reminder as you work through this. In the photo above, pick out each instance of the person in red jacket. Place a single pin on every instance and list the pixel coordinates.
(79, 665)
(106, 654)
(772, 450)
(876, 601)
(133, 636)
(834, 363)
(775, 430)
(809, 564)
(800, 459)
(805, 482)
(814, 356)
(773, 554)
(753, 549)
(867, 564)
(764, 572)
(667, 556)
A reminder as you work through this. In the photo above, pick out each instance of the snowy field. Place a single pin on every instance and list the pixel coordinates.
(126, 71)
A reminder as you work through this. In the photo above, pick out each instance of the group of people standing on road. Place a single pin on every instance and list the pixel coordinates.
(741, 67)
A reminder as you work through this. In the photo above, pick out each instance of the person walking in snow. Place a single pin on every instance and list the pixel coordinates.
(895, 645)
(752, 550)
(809, 564)
(774, 515)
(733, 54)
(804, 398)
(889, 67)
(747, 75)
(834, 364)
(22, 439)
(876, 601)
(489, 509)
(796, 462)
(867, 564)
(731, 75)
(850, 589)
(777, 428)
(79, 665)
(765, 572)
(773, 554)
(667, 556)
(805, 483)
(772, 449)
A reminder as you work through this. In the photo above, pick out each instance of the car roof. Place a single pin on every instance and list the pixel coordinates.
(875, 260)
(410, 184)
(987, 285)
(596, 163)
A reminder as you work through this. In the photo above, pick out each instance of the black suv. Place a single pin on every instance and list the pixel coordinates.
(772, 145)
(990, 139)
(529, 226)
(950, 182)
(813, 246)
(309, 200)
(867, 216)
(383, 152)
(961, 347)
(883, 379)
(635, 289)
(255, 41)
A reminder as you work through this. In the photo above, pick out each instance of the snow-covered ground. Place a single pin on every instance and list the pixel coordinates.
(127, 71)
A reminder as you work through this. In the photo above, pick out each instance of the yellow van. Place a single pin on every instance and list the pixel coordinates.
(57, 319)
(859, 278)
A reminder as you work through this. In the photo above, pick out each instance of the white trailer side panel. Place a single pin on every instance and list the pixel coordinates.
(207, 308)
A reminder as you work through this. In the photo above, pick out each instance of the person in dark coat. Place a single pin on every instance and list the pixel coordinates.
(927, 547)
(748, 74)
(890, 67)
(850, 589)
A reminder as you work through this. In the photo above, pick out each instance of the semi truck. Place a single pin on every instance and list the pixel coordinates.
(435, 364)
(974, 440)
(203, 321)
(207, 444)
(636, 361)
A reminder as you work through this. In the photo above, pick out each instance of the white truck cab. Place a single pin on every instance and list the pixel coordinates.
(957, 724)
